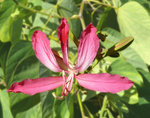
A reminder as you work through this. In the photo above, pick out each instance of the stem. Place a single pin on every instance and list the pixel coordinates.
(107, 2)
(82, 23)
(103, 107)
(113, 2)
(89, 113)
(81, 13)
(100, 3)
(80, 105)
(91, 5)
(46, 22)
(36, 11)
(3, 83)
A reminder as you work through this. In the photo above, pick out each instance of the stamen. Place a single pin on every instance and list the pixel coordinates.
(57, 97)
(68, 81)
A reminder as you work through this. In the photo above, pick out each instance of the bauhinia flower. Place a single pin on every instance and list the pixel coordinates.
(87, 50)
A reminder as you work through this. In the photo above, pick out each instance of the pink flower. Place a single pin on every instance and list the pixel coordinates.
(87, 50)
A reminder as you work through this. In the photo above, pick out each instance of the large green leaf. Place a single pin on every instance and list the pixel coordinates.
(20, 63)
(4, 49)
(107, 19)
(47, 101)
(134, 20)
(22, 102)
(34, 112)
(6, 20)
(123, 68)
(5, 103)
(16, 30)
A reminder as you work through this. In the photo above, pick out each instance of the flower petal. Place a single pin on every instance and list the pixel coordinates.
(33, 86)
(63, 31)
(104, 82)
(88, 47)
(41, 46)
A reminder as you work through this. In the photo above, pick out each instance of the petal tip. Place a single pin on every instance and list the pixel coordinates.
(63, 20)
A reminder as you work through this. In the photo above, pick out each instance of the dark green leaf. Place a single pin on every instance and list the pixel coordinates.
(123, 68)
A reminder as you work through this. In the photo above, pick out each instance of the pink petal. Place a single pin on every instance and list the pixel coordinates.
(104, 82)
(33, 86)
(88, 47)
(63, 31)
(41, 46)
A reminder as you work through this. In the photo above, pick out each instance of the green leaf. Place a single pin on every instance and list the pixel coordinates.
(129, 96)
(135, 21)
(6, 20)
(17, 68)
(27, 69)
(123, 68)
(16, 31)
(88, 95)
(113, 36)
(5, 103)
(21, 103)
(103, 18)
(107, 19)
(141, 110)
(4, 49)
(24, 104)
(64, 108)
(133, 58)
(120, 106)
(34, 112)
(47, 101)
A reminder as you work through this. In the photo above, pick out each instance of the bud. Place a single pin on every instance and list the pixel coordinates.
(121, 45)
(74, 16)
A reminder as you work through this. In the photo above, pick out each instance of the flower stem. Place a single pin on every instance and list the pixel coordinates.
(36, 11)
(103, 107)
(80, 105)
(81, 13)
(101, 3)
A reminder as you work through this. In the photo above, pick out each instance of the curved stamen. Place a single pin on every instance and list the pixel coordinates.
(67, 85)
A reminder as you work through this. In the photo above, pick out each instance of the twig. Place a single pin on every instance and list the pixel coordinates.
(36, 11)
(81, 13)
(80, 105)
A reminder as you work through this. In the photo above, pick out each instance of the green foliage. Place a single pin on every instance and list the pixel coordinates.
(126, 70)
(5, 104)
(124, 26)
(134, 20)
(6, 20)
